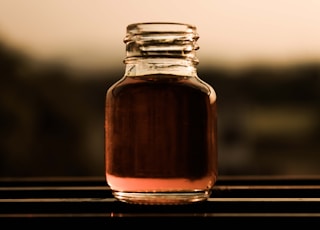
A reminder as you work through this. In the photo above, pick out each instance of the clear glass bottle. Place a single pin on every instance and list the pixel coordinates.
(161, 120)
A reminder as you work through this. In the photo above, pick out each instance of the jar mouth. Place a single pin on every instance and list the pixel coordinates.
(160, 27)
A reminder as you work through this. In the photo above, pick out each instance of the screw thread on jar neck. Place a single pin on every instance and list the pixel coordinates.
(161, 41)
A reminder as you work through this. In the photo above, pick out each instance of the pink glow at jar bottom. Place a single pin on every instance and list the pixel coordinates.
(155, 184)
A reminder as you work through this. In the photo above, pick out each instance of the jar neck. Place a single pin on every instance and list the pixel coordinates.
(172, 66)
(167, 48)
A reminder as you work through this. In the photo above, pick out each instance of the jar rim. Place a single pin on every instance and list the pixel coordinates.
(143, 27)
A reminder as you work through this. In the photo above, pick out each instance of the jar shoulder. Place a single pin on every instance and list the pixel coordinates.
(159, 81)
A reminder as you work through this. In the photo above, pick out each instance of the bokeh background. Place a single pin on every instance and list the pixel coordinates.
(57, 59)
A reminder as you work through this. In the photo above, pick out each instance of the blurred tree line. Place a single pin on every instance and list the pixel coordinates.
(52, 119)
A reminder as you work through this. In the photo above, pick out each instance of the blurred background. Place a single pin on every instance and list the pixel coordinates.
(57, 59)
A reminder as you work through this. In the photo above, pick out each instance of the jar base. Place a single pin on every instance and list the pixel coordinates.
(162, 198)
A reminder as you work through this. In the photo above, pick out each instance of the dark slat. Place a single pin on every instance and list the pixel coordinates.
(219, 191)
(100, 181)
(109, 205)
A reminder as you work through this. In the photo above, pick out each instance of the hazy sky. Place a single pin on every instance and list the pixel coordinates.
(91, 32)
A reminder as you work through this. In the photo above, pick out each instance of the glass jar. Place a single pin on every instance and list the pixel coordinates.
(161, 120)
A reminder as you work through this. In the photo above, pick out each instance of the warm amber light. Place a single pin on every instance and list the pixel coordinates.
(85, 33)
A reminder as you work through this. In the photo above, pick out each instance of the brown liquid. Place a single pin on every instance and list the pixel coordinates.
(161, 126)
